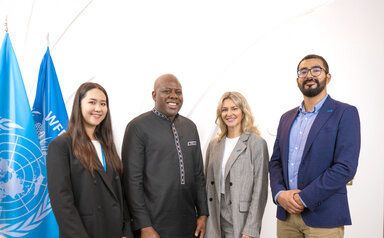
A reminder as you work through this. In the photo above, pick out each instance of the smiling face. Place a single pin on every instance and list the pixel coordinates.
(232, 116)
(93, 109)
(312, 86)
(168, 95)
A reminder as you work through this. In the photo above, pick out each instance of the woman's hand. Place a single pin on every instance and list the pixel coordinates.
(245, 236)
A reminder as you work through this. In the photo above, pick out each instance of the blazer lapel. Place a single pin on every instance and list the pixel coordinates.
(107, 179)
(284, 139)
(286, 129)
(239, 148)
(217, 166)
(325, 112)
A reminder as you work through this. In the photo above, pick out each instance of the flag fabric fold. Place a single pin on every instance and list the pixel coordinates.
(25, 209)
(49, 110)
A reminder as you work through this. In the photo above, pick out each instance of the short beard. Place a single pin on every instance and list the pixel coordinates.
(312, 92)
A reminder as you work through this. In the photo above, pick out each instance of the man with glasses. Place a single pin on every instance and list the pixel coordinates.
(315, 155)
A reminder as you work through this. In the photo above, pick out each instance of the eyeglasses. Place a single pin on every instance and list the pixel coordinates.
(315, 71)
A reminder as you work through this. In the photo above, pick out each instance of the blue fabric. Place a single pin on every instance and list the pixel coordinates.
(49, 110)
(24, 202)
(329, 161)
(297, 139)
(102, 154)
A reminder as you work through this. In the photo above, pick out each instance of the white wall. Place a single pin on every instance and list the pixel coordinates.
(214, 46)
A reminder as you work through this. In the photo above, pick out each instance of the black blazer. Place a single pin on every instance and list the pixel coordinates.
(85, 206)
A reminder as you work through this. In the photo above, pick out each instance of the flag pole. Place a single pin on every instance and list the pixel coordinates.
(6, 24)
(48, 39)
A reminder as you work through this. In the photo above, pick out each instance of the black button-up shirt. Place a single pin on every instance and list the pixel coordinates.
(163, 174)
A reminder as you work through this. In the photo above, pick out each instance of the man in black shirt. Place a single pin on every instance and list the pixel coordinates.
(163, 168)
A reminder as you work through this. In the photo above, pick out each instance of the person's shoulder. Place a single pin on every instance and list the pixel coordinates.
(341, 107)
(185, 121)
(256, 138)
(141, 118)
(214, 141)
(290, 112)
(61, 141)
(343, 104)
(63, 138)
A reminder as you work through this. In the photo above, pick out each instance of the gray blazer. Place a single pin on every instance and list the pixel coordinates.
(246, 184)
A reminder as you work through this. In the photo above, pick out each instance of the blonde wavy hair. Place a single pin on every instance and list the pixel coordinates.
(247, 122)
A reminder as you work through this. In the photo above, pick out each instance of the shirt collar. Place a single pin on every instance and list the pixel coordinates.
(316, 109)
(159, 114)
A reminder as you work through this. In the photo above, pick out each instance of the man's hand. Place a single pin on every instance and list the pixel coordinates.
(297, 199)
(149, 232)
(200, 226)
(287, 201)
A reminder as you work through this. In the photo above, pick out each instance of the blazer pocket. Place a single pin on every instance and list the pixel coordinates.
(244, 206)
(89, 224)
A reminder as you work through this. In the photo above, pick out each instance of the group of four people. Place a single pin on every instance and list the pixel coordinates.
(162, 188)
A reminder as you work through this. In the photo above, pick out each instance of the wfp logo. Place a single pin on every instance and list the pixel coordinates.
(53, 125)
(24, 200)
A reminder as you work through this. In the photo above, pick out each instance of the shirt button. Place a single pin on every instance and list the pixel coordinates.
(291, 180)
(292, 164)
(210, 199)
(296, 148)
(306, 118)
(300, 132)
(212, 182)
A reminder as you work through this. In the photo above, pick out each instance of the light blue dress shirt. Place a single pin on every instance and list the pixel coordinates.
(297, 140)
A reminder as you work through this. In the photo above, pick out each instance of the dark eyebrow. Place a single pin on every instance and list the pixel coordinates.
(316, 66)
(94, 99)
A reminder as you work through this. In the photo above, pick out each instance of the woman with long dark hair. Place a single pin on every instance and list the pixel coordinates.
(84, 172)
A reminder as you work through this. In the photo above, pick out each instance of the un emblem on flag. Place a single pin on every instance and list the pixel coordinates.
(24, 200)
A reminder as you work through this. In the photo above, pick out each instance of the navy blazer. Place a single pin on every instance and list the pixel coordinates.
(328, 163)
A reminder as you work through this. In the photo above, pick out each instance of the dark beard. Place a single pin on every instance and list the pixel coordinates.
(312, 92)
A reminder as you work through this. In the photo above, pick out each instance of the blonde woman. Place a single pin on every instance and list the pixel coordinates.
(236, 168)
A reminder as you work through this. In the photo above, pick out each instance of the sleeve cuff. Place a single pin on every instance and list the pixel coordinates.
(305, 205)
(275, 198)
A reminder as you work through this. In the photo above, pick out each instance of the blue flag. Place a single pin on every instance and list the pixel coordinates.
(49, 111)
(25, 210)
